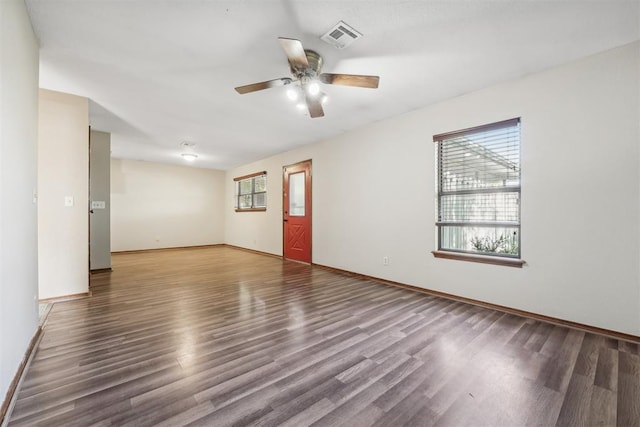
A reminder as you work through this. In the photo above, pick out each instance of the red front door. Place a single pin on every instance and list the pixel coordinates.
(297, 211)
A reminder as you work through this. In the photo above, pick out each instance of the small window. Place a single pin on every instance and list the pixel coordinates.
(478, 187)
(251, 192)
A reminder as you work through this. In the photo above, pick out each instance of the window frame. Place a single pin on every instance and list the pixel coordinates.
(467, 255)
(238, 183)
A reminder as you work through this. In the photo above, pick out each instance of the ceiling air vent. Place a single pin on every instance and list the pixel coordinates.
(341, 35)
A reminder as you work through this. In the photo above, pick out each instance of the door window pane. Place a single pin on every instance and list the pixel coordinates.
(296, 194)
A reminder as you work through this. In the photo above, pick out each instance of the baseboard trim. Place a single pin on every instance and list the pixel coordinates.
(141, 251)
(254, 251)
(530, 315)
(101, 270)
(9, 399)
(45, 315)
(63, 298)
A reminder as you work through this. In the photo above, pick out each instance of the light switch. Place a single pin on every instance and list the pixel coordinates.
(68, 201)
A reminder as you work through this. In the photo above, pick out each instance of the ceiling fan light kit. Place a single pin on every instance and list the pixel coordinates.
(305, 66)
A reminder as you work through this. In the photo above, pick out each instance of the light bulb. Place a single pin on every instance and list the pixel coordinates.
(292, 94)
(314, 88)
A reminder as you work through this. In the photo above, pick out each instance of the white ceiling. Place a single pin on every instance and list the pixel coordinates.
(159, 72)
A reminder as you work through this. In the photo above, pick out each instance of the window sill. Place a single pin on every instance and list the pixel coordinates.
(483, 259)
(252, 210)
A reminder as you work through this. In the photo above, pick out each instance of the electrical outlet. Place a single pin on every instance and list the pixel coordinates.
(385, 260)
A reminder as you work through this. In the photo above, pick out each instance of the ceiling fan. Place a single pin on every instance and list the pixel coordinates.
(305, 66)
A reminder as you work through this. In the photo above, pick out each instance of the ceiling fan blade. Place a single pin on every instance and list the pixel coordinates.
(315, 106)
(263, 85)
(350, 80)
(295, 53)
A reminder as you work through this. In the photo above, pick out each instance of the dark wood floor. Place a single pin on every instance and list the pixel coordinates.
(218, 336)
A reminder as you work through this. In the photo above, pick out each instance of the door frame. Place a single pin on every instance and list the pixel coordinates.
(309, 191)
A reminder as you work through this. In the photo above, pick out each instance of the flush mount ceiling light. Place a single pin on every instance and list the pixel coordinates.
(188, 153)
(190, 157)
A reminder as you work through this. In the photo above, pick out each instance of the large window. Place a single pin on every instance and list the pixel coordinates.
(479, 190)
(251, 192)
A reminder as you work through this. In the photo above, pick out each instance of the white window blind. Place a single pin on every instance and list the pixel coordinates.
(479, 189)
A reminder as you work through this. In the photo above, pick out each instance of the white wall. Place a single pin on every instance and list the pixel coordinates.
(63, 171)
(374, 195)
(156, 205)
(260, 230)
(18, 222)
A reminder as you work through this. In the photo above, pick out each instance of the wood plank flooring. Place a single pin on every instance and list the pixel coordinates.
(218, 336)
